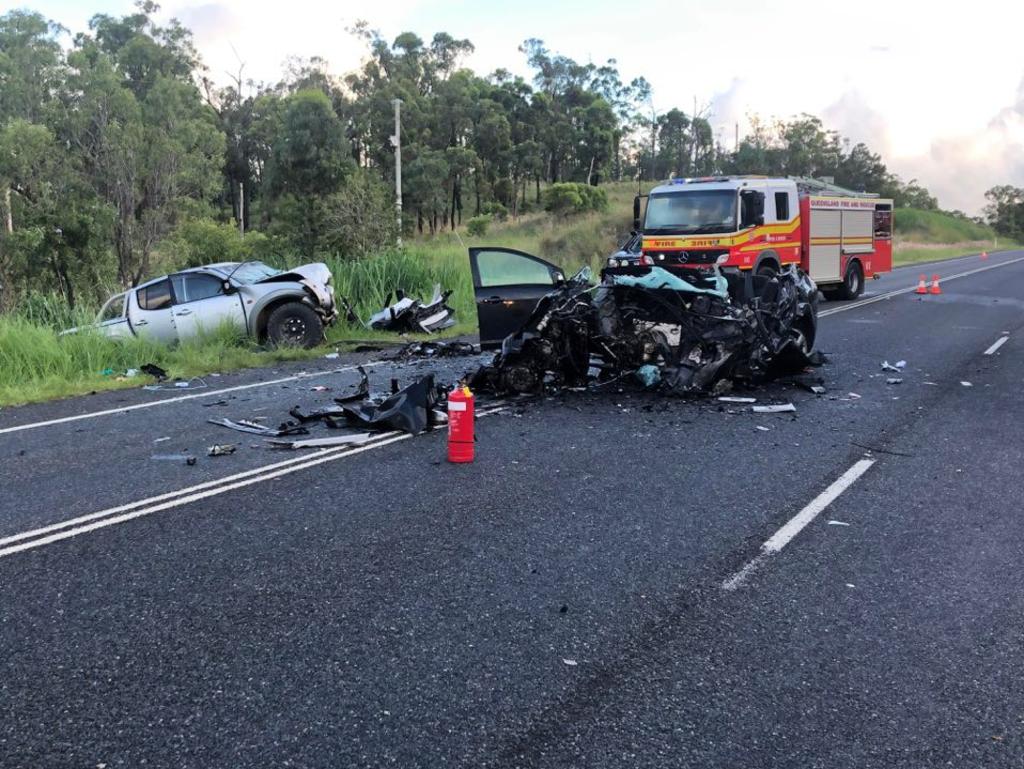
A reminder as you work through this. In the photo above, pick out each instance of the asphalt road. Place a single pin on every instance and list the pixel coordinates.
(618, 580)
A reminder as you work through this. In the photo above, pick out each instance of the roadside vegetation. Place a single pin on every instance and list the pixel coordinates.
(120, 161)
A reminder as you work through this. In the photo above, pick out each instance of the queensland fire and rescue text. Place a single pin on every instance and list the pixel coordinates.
(838, 236)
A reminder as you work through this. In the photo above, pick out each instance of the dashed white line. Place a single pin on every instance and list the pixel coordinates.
(179, 398)
(796, 524)
(997, 344)
(83, 524)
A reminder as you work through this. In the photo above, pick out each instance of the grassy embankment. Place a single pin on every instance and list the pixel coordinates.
(36, 364)
(924, 236)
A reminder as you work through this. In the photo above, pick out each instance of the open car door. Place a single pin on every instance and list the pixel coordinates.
(507, 285)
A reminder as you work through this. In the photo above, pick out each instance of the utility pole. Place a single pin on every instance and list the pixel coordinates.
(241, 209)
(396, 141)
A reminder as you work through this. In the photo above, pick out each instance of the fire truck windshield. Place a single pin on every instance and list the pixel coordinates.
(691, 211)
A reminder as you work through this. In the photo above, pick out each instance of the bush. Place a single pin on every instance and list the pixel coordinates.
(565, 198)
(496, 210)
(203, 241)
(477, 226)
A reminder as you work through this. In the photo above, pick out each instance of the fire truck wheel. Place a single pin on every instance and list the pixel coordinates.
(767, 270)
(853, 283)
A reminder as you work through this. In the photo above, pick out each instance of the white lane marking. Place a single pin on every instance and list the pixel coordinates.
(997, 344)
(795, 525)
(179, 398)
(60, 531)
(908, 289)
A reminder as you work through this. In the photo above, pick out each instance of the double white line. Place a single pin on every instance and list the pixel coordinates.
(83, 524)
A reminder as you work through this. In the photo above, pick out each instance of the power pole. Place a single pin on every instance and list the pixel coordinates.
(396, 140)
(241, 209)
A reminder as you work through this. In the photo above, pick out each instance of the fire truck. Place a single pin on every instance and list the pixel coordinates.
(839, 237)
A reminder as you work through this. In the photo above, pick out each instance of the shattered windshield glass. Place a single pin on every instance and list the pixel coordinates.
(692, 211)
(254, 272)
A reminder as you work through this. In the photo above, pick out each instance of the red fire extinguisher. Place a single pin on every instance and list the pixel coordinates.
(460, 425)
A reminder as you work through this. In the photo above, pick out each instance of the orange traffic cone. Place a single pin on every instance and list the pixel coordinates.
(984, 254)
(935, 285)
(921, 287)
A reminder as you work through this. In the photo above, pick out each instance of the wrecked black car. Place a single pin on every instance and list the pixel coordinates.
(686, 331)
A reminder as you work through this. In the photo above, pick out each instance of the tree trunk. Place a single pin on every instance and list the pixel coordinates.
(590, 172)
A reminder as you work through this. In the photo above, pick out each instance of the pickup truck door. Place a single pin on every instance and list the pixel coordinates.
(200, 303)
(507, 285)
(149, 311)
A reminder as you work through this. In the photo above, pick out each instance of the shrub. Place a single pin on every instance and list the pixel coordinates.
(203, 241)
(477, 226)
(496, 210)
(565, 198)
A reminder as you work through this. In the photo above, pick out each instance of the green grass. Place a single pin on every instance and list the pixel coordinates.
(37, 364)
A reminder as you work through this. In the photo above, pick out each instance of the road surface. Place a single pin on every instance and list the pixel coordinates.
(618, 580)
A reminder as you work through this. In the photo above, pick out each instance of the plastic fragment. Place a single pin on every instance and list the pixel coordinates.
(774, 408)
(893, 381)
(736, 399)
(967, 384)
(221, 449)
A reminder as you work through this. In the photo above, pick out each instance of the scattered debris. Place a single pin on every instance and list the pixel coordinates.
(569, 662)
(762, 428)
(319, 388)
(407, 314)
(838, 523)
(195, 383)
(896, 368)
(410, 410)
(854, 396)
(154, 371)
(649, 374)
(967, 384)
(697, 329)
(221, 449)
(188, 459)
(332, 355)
(893, 381)
(246, 426)
(879, 451)
(437, 349)
(774, 408)
(736, 399)
(352, 439)
(161, 440)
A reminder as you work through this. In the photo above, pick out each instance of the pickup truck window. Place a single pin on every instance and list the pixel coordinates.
(156, 296)
(193, 286)
(113, 309)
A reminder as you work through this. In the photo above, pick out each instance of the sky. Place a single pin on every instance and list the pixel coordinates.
(936, 88)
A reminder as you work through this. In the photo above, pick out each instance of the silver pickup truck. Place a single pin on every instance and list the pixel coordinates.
(283, 308)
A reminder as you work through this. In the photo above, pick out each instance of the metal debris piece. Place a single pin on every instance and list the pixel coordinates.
(410, 410)
(774, 408)
(736, 399)
(407, 315)
(352, 439)
(893, 381)
(246, 426)
(221, 449)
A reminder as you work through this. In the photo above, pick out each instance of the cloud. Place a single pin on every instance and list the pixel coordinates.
(958, 169)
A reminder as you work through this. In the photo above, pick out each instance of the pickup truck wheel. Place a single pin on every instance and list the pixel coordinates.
(295, 325)
(853, 282)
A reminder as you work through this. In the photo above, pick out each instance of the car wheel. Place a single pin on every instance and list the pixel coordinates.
(295, 325)
(853, 282)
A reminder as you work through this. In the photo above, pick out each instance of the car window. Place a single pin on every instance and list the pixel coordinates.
(193, 286)
(156, 296)
(113, 309)
(501, 268)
